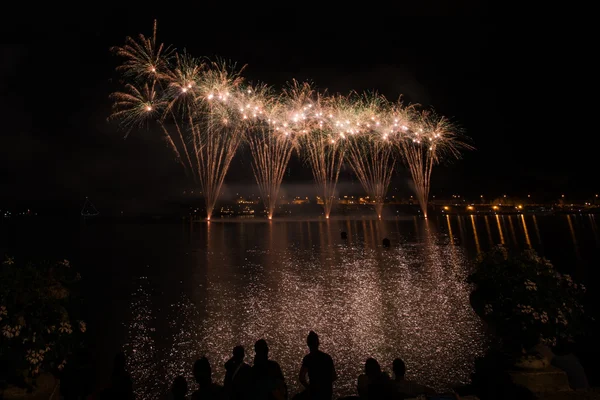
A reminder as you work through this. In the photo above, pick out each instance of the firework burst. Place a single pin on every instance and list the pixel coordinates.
(204, 111)
(431, 140)
(271, 147)
(310, 117)
(369, 151)
(144, 58)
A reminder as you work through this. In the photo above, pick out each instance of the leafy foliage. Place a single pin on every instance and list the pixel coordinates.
(525, 300)
(37, 333)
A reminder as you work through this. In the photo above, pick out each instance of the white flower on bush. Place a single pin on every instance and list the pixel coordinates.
(549, 341)
(529, 285)
(9, 261)
(51, 329)
(35, 357)
(11, 332)
(61, 366)
(525, 309)
(82, 326)
(561, 318)
(3, 312)
(65, 262)
(544, 317)
(488, 309)
(65, 327)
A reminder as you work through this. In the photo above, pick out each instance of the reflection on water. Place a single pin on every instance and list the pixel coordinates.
(142, 360)
(408, 301)
(279, 279)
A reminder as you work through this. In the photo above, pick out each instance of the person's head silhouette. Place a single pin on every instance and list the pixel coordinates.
(372, 368)
(202, 371)
(312, 341)
(261, 349)
(399, 368)
(179, 387)
(238, 353)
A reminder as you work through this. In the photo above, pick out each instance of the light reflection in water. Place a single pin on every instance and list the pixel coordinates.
(573, 237)
(364, 300)
(512, 229)
(594, 228)
(537, 230)
(489, 231)
(450, 235)
(522, 217)
(141, 350)
(500, 229)
(475, 234)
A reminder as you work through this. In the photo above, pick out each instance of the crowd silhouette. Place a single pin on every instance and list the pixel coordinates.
(264, 380)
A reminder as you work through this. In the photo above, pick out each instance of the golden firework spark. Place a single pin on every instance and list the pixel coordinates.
(204, 112)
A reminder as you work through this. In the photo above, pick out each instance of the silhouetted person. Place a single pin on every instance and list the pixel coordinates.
(344, 235)
(375, 384)
(267, 379)
(237, 376)
(405, 387)
(386, 242)
(179, 388)
(121, 385)
(207, 389)
(320, 370)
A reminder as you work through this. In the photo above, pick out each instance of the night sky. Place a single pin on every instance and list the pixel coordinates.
(519, 88)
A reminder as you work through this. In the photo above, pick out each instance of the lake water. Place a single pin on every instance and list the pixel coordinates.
(169, 293)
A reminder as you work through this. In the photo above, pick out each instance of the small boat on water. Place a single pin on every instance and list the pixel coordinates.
(88, 209)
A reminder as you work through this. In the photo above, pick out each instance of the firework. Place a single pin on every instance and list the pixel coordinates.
(311, 118)
(369, 152)
(270, 145)
(216, 134)
(431, 140)
(172, 90)
(144, 58)
(204, 112)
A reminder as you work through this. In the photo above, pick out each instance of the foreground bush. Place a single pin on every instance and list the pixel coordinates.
(37, 333)
(525, 300)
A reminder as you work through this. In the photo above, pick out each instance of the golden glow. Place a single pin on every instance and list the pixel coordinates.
(205, 146)
(519, 206)
(525, 230)
(495, 207)
(475, 234)
(500, 229)
(450, 229)
(446, 208)
(469, 207)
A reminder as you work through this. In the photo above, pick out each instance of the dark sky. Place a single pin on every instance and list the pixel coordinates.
(519, 88)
